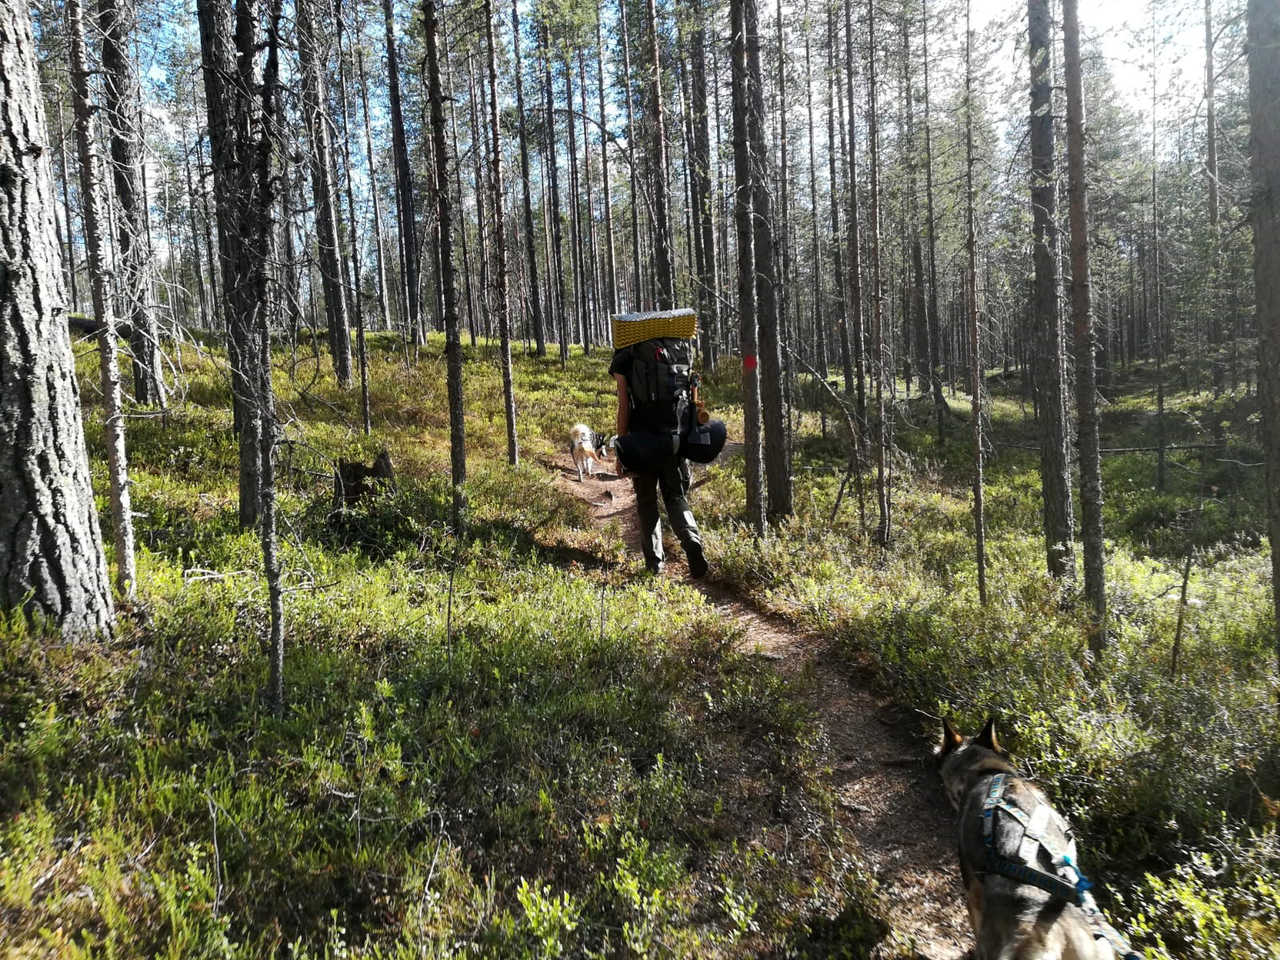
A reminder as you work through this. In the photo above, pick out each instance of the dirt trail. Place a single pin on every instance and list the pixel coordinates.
(889, 799)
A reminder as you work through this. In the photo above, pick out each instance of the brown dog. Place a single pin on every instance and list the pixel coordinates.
(1011, 842)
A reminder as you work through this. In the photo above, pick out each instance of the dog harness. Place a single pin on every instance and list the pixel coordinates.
(1065, 883)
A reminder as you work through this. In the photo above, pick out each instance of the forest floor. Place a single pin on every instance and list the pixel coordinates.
(888, 798)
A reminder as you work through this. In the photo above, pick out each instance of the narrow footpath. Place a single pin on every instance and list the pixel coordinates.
(881, 773)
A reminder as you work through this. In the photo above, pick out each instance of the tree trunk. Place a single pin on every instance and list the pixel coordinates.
(556, 235)
(837, 256)
(52, 565)
(919, 306)
(819, 326)
(853, 244)
(1264, 94)
(117, 20)
(1157, 314)
(777, 476)
(1055, 466)
(262, 204)
(575, 214)
(610, 264)
(883, 368)
(746, 267)
(357, 307)
(785, 239)
(591, 270)
(935, 319)
(479, 155)
(499, 241)
(468, 293)
(535, 302)
(404, 184)
(374, 193)
(975, 330)
(664, 271)
(91, 185)
(631, 156)
(444, 216)
(313, 59)
(1095, 585)
(700, 184)
(236, 125)
(66, 209)
(1211, 175)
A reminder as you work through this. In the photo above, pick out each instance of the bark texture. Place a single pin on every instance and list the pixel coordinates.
(52, 564)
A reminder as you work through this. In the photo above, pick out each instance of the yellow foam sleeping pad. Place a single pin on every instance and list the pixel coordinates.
(629, 328)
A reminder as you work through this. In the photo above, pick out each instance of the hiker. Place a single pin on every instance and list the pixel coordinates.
(653, 379)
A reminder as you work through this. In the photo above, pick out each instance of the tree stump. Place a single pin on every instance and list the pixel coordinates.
(352, 480)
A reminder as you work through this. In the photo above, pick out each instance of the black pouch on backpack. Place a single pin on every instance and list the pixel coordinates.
(704, 441)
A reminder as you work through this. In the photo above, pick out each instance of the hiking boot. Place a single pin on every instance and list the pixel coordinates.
(654, 567)
(697, 562)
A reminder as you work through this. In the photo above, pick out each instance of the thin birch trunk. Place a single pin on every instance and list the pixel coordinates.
(91, 185)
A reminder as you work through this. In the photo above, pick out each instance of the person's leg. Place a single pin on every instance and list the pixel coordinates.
(675, 479)
(646, 487)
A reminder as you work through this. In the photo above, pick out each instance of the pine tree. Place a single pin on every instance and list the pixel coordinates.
(776, 472)
(664, 269)
(1055, 464)
(535, 302)
(408, 232)
(444, 216)
(52, 565)
(751, 431)
(499, 242)
(1095, 585)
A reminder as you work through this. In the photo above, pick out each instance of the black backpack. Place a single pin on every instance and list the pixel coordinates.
(659, 385)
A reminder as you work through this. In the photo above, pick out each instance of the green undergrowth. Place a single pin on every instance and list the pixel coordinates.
(500, 744)
(512, 744)
(1166, 755)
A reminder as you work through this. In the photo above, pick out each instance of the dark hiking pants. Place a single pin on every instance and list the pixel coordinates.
(673, 480)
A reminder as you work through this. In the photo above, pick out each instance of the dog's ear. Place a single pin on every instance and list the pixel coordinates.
(950, 739)
(987, 738)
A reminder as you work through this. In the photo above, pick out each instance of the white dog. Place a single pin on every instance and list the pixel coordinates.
(587, 447)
